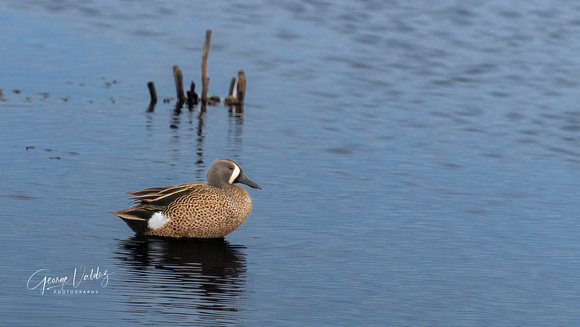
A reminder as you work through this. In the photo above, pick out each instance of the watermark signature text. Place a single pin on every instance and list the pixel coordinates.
(43, 280)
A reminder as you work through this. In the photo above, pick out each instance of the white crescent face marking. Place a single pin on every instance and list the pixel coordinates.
(157, 220)
(235, 174)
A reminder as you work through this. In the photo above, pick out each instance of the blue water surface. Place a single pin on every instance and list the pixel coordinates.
(419, 162)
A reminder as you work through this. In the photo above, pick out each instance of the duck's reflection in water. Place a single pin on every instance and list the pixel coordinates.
(189, 281)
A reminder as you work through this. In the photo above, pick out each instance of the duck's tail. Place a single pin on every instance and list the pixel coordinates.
(137, 217)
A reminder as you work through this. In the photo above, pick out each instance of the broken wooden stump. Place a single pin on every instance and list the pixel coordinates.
(152, 92)
(178, 76)
(237, 100)
(241, 86)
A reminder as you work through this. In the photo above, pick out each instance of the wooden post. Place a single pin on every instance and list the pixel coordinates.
(152, 92)
(178, 75)
(241, 86)
(204, 78)
(204, 101)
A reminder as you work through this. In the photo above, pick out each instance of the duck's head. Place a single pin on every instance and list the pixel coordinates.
(224, 172)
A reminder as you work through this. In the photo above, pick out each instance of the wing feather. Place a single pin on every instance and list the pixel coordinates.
(161, 196)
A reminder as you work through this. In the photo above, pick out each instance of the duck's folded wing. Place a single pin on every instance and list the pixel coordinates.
(161, 196)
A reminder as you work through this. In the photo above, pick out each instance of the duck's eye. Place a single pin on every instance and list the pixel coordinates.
(231, 168)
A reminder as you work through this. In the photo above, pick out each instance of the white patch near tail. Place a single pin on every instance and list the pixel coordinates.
(157, 220)
(235, 174)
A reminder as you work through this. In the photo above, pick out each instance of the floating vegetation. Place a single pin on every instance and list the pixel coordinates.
(213, 100)
(20, 95)
(54, 157)
(109, 84)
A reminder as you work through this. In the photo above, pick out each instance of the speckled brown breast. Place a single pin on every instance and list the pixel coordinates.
(206, 212)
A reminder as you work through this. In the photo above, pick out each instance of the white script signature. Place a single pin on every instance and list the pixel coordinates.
(43, 279)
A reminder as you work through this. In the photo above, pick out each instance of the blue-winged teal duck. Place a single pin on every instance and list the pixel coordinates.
(198, 210)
